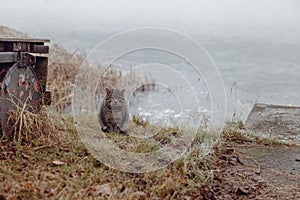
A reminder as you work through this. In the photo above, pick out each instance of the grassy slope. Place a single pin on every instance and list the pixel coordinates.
(62, 168)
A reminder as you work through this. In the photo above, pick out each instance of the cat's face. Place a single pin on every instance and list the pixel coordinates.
(115, 97)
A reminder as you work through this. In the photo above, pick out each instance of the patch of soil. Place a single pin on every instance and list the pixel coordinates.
(278, 122)
(280, 158)
(254, 171)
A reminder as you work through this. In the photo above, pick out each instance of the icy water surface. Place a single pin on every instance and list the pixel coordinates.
(252, 71)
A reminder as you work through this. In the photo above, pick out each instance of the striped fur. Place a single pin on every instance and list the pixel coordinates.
(113, 115)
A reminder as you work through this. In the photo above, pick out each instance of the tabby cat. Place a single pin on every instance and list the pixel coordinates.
(113, 115)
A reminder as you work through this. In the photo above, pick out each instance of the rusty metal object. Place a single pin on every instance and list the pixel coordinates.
(19, 88)
(23, 77)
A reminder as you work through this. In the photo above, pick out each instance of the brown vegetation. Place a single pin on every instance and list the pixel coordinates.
(63, 168)
(47, 160)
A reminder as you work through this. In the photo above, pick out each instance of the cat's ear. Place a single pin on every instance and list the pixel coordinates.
(108, 91)
(123, 91)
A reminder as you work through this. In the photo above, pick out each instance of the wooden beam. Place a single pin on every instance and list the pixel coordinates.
(1, 46)
(23, 40)
(7, 57)
(21, 46)
(41, 71)
(40, 49)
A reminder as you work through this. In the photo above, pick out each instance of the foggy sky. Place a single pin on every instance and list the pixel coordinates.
(276, 18)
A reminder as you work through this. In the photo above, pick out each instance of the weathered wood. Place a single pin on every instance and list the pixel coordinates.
(7, 46)
(279, 122)
(8, 39)
(16, 54)
(8, 57)
(1, 46)
(27, 58)
(40, 49)
(21, 46)
(41, 71)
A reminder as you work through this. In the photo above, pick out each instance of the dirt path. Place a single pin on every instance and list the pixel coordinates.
(281, 158)
(275, 121)
(279, 167)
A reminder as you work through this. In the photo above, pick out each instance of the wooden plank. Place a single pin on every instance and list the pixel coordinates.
(41, 71)
(40, 49)
(7, 57)
(275, 121)
(1, 47)
(30, 40)
(21, 46)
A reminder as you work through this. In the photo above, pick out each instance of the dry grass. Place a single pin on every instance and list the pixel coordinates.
(47, 160)
(34, 128)
(9, 32)
(69, 72)
(62, 70)
(62, 168)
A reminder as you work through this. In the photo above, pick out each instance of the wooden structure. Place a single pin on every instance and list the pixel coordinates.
(23, 75)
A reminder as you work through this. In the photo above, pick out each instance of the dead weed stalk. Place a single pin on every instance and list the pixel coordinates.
(34, 128)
